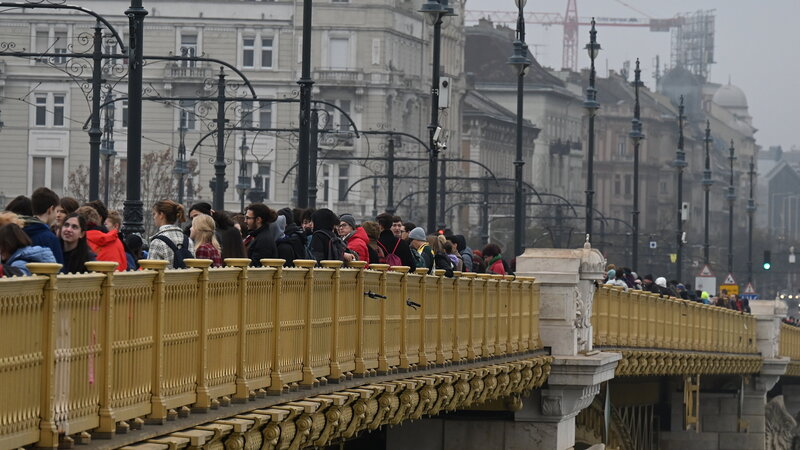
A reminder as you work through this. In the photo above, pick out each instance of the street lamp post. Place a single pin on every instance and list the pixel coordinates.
(133, 214)
(95, 133)
(244, 181)
(107, 145)
(305, 82)
(591, 106)
(680, 164)
(731, 197)
(707, 182)
(751, 209)
(390, 172)
(218, 184)
(312, 158)
(181, 169)
(520, 61)
(436, 10)
(636, 136)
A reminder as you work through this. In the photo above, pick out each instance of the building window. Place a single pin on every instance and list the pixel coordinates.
(49, 110)
(247, 114)
(339, 53)
(340, 1)
(326, 182)
(47, 171)
(344, 181)
(60, 47)
(621, 146)
(124, 114)
(628, 184)
(42, 41)
(617, 185)
(266, 53)
(58, 110)
(188, 118)
(264, 172)
(248, 52)
(265, 114)
(188, 48)
(41, 111)
(662, 188)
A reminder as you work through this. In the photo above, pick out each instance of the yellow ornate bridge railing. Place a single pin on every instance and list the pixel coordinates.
(790, 346)
(89, 351)
(670, 336)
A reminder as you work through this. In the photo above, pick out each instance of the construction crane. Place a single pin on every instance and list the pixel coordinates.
(570, 21)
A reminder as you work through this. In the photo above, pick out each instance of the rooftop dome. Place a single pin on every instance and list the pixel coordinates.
(730, 96)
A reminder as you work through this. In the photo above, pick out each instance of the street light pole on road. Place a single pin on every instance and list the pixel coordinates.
(680, 164)
(636, 136)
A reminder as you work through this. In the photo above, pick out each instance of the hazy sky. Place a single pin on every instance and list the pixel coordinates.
(756, 45)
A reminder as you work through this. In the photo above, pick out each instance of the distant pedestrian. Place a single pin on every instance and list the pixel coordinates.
(76, 248)
(206, 245)
(43, 204)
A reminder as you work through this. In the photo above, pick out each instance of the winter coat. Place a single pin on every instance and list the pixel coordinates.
(427, 255)
(160, 250)
(292, 245)
(496, 266)
(42, 236)
(357, 242)
(261, 245)
(108, 247)
(29, 254)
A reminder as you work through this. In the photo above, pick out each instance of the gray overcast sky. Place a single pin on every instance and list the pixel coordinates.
(756, 45)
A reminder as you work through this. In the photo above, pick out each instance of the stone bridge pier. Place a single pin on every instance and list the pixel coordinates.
(544, 419)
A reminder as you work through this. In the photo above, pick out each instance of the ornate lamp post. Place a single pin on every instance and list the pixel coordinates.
(636, 136)
(107, 144)
(244, 181)
(520, 61)
(181, 169)
(707, 182)
(305, 82)
(731, 197)
(591, 106)
(436, 11)
(133, 214)
(751, 210)
(680, 164)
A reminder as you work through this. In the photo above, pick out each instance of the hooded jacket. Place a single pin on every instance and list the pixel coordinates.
(108, 247)
(261, 245)
(30, 254)
(357, 242)
(42, 236)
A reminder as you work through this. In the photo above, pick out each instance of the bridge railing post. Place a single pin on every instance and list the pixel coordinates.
(471, 327)
(242, 383)
(422, 295)
(336, 373)
(158, 406)
(203, 395)
(535, 299)
(276, 382)
(439, 319)
(48, 433)
(308, 378)
(107, 425)
(383, 365)
(484, 323)
(401, 300)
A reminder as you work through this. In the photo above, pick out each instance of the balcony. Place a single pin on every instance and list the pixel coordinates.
(336, 76)
(187, 72)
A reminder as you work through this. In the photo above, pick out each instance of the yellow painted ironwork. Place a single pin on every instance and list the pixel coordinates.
(667, 329)
(790, 346)
(95, 351)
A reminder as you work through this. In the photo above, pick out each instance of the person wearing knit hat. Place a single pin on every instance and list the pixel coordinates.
(419, 245)
(356, 238)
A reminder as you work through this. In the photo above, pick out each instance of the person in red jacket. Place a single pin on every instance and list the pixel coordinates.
(355, 237)
(105, 244)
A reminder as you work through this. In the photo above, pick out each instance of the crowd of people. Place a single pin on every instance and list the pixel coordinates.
(628, 279)
(44, 228)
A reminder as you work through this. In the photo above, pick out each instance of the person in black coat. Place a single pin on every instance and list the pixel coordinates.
(260, 242)
(389, 241)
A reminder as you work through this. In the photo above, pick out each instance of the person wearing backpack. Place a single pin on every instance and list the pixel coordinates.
(355, 237)
(396, 249)
(170, 243)
(260, 242)
(421, 249)
(325, 244)
(292, 245)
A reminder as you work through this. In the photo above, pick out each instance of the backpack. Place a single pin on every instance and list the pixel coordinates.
(419, 261)
(180, 252)
(335, 250)
(391, 258)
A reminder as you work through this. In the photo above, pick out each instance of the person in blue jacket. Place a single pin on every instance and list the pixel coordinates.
(16, 250)
(44, 203)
